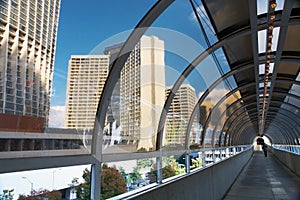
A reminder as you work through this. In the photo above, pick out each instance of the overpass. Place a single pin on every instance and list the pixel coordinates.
(242, 58)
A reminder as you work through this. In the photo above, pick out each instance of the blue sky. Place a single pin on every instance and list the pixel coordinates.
(85, 24)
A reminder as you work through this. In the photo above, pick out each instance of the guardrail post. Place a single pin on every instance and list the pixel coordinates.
(203, 159)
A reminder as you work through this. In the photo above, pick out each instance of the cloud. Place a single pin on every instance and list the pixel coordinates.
(215, 94)
(57, 116)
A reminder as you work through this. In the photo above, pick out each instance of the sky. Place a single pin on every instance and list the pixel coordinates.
(82, 26)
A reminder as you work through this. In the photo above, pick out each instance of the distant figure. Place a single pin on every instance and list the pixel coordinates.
(265, 149)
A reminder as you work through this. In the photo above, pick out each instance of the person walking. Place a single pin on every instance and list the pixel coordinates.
(265, 149)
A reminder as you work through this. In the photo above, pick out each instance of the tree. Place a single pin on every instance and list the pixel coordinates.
(112, 183)
(135, 174)
(196, 163)
(41, 195)
(145, 162)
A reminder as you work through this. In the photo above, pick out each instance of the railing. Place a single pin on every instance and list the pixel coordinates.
(209, 157)
(289, 148)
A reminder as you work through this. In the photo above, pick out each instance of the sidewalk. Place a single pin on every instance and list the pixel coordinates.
(265, 178)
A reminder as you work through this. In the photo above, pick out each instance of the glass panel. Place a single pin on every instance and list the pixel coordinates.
(262, 6)
(261, 35)
(172, 166)
(127, 176)
(46, 182)
(292, 100)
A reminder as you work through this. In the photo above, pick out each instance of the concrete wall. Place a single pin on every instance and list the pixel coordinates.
(292, 161)
(209, 183)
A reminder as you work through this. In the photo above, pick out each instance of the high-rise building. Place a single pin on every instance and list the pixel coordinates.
(28, 31)
(137, 98)
(86, 77)
(140, 92)
(179, 114)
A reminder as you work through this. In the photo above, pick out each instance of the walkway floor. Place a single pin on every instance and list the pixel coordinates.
(265, 178)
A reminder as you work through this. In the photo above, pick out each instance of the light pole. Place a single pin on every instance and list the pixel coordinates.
(53, 177)
(31, 183)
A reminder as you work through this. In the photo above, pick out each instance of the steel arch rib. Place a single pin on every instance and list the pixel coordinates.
(238, 101)
(238, 120)
(236, 124)
(118, 64)
(286, 135)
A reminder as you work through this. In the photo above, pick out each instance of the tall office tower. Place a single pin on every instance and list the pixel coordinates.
(28, 30)
(141, 91)
(179, 114)
(86, 77)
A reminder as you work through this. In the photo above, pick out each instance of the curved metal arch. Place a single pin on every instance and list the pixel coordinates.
(245, 126)
(237, 34)
(226, 97)
(247, 132)
(287, 141)
(296, 82)
(239, 101)
(295, 124)
(247, 135)
(226, 135)
(291, 131)
(237, 121)
(158, 8)
(287, 126)
(186, 72)
(279, 112)
(286, 12)
(287, 135)
(205, 94)
(248, 123)
(231, 92)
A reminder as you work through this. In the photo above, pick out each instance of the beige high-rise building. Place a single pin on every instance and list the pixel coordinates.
(141, 90)
(137, 99)
(28, 31)
(179, 114)
(86, 77)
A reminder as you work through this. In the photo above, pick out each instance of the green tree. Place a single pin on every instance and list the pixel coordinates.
(83, 189)
(135, 174)
(196, 163)
(175, 165)
(145, 162)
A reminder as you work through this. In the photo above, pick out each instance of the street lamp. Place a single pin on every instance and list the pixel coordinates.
(31, 183)
(53, 177)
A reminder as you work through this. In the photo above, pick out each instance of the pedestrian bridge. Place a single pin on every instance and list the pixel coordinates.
(191, 99)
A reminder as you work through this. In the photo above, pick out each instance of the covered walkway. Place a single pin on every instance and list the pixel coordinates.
(265, 178)
(185, 94)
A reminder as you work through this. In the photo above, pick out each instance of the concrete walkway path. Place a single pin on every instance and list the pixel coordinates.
(265, 178)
